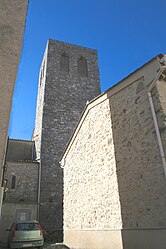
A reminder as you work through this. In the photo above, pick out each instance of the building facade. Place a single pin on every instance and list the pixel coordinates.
(115, 167)
(69, 78)
(111, 189)
(21, 192)
(12, 21)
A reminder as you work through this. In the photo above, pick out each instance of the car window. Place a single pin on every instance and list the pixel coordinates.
(27, 226)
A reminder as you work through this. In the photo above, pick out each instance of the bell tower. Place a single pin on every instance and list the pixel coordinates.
(69, 77)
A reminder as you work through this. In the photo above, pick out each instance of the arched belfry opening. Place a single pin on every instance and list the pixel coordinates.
(64, 62)
(82, 67)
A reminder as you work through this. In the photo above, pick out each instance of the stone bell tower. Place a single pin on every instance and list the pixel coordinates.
(69, 77)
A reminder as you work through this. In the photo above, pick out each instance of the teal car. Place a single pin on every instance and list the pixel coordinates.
(25, 234)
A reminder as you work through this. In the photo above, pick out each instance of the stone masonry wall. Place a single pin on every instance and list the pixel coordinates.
(12, 20)
(26, 185)
(65, 93)
(141, 181)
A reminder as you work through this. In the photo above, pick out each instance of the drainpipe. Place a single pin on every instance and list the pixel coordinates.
(39, 181)
(39, 187)
(155, 120)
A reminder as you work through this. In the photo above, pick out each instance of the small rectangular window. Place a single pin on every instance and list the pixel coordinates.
(23, 214)
(13, 183)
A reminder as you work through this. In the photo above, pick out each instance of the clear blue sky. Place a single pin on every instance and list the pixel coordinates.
(126, 34)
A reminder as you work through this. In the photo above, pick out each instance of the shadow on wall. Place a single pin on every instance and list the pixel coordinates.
(140, 175)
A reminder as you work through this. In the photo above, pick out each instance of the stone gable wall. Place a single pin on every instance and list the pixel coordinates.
(91, 199)
(114, 183)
